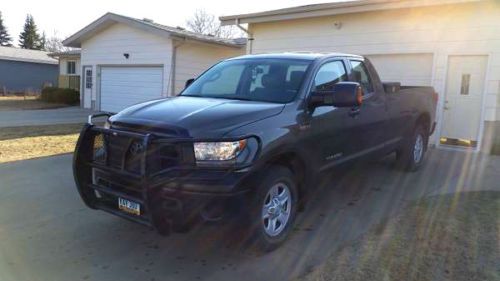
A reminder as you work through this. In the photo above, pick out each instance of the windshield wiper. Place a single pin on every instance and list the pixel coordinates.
(227, 97)
(196, 96)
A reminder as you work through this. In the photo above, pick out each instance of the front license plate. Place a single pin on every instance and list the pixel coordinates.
(129, 206)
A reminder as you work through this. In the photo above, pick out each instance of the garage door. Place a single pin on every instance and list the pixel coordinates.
(409, 69)
(124, 86)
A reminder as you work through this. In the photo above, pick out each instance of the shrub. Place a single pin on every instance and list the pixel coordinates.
(60, 95)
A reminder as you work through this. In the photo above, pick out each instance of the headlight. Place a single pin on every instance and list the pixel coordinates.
(218, 151)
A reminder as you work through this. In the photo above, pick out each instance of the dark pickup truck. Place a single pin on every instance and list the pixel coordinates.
(249, 137)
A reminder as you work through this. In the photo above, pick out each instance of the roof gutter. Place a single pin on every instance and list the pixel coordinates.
(249, 34)
(335, 8)
(173, 64)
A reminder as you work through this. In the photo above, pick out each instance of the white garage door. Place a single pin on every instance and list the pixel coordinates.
(124, 86)
(409, 69)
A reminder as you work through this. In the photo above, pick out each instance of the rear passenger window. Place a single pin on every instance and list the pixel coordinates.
(328, 75)
(361, 76)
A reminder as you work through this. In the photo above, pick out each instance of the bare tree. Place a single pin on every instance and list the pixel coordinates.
(208, 24)
(54, 43)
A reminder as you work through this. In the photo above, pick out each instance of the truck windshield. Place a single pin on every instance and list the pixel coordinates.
(268, 80)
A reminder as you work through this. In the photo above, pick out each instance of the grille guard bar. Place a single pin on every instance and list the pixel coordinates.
(93, 116)
(84, 166)
(84, 163)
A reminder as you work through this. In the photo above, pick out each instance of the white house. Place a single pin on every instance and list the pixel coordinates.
(126, 60)
(452, 45)
(69, 69)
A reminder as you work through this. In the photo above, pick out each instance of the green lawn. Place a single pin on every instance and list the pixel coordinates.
(27, 142)
(10, 103)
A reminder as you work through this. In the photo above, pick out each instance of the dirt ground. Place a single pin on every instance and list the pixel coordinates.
(447, 237)
(27, 142)
(11, 103)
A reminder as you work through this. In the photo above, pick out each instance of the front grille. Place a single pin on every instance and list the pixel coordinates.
(116, 147)
(126, 153)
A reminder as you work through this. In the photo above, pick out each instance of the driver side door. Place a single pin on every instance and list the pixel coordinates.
(333, 130)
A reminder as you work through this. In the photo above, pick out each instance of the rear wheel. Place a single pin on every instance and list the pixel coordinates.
(273, 209)
(411, 155)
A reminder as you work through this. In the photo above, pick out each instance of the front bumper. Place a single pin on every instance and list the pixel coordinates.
(169, 198)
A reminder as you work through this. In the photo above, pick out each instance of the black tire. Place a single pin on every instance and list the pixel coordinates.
(259, 239)
(405, 155)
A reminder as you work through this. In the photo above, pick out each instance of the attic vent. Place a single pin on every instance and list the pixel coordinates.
(148, 20)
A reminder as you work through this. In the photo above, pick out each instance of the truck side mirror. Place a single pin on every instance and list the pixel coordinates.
(343, 94)
(189, 82)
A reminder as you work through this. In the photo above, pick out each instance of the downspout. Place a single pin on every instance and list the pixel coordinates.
(173, 63)
(249, 34)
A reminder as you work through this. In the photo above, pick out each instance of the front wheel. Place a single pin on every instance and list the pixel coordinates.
(411, 155)
(273, 210)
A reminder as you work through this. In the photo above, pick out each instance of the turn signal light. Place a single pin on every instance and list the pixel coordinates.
(359, 95)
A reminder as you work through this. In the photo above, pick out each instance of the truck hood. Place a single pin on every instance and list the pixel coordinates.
(194, 116)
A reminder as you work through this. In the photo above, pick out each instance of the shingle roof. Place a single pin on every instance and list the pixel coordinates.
(25, 55)
(162, 30)
(193, 35)
(75, 52)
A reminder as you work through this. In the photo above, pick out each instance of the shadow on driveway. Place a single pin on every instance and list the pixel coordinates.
(46, 233)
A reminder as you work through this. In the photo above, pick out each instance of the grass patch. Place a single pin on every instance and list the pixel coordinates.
(10, 103)
(449, 237)
(21, 143)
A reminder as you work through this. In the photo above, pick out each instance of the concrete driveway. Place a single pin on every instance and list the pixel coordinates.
(46, 233)
(65, 115)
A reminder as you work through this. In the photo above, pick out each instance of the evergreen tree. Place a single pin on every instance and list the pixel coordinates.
(5, 39)
(29, 38)
(42, 42)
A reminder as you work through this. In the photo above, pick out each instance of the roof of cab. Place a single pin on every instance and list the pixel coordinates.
(296, 55)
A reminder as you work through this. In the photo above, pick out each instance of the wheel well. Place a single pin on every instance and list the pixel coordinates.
(296, 164)
(424, 119)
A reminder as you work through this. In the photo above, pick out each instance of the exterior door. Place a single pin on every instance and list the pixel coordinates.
(372, 130)
(87, 86)
(463, 100)
(332, 129)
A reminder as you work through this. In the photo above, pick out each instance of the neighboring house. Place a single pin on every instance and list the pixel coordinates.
(23, 70)
(69, 69)
(126, 60)
(452, 45)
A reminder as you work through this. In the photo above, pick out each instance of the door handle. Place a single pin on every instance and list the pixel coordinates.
(355, 111)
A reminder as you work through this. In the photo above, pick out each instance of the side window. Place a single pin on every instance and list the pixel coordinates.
(257, 73)
(361, 76)
(88, 79)
(71, 67)
(329, 74)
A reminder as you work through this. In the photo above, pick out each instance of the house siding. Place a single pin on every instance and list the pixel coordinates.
(443, 31)
(461, 29)
(194, 58)
(16, 76)
(109, 46)
(63, 65)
